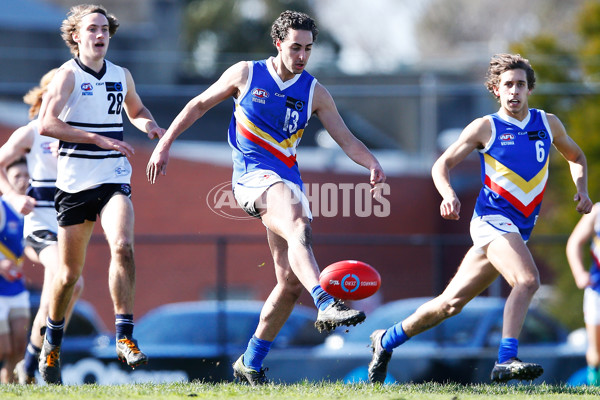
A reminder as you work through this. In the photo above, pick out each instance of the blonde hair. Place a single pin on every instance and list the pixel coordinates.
(35, 95)
(71, 24)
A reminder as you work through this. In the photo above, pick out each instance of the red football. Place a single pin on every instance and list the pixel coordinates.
(350, 280)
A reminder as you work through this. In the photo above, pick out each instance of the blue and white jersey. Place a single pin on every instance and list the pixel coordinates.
(96, 106)
(514, 169)
(595, 250)
(268, 121)
(12, 245)
(42, 165)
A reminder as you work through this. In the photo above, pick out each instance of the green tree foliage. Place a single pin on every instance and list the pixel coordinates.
(570, 75)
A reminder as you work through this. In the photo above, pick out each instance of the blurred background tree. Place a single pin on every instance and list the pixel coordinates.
(578, 109)
(220, 33)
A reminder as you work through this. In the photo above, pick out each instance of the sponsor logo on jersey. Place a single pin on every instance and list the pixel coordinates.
(537, 135)
(295, 104)
(87, 89)
(114, 87)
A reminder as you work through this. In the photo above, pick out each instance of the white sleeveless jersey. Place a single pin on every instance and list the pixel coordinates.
(95, 105)
(41, 164)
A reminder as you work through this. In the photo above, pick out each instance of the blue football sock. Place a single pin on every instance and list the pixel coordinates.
(321, 298)
(32, 353)
(508, 349)
(124, 326)
(256, 352)
(593, 376)
(393, 337)
(54, 331)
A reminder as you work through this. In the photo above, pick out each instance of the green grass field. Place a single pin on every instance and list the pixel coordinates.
(306, 390)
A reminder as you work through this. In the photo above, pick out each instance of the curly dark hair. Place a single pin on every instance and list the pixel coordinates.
(501, 63)
(71, 24)
(292, 20)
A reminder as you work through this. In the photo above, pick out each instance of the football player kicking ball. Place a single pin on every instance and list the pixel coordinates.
(514, 147)
(274, 98)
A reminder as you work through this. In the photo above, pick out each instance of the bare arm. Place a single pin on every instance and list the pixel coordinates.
(138, 114)
(579, 238)
(474, 136)
(325, 109)
(55, 99)
(17, 145)
(577, 163)
(231, 83)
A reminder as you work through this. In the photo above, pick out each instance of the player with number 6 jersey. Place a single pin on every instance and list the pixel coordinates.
(514, 145)
(513, 180)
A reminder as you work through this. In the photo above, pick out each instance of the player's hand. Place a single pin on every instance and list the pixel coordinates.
(157, 163)
(113, 144)
(23, 204)
(582, 279)
(450, 208)
(9, 270)
(156, 133)
(584, 204)
(377, 180)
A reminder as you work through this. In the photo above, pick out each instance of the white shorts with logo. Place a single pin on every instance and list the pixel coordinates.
(251, 186)
(486, 228)
(591, 307)
(12, 307)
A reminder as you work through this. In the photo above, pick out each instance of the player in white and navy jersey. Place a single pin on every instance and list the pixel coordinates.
(83, 109)
(587, 233)
(37, 205)
(514, 146)
(14, 297)
(274, 99)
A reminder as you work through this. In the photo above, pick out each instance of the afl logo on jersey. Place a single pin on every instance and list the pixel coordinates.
(260, 93)
(46, 148)
(86, 89)
(507, 139)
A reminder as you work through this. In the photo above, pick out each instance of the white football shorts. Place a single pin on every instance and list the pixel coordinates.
(486, 228)
(12, 307)
(251, 186)
(591, 307)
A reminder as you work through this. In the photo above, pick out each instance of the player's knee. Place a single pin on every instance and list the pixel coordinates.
(123, 249)
(529, 283)
(68, 277)
(290, 284)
